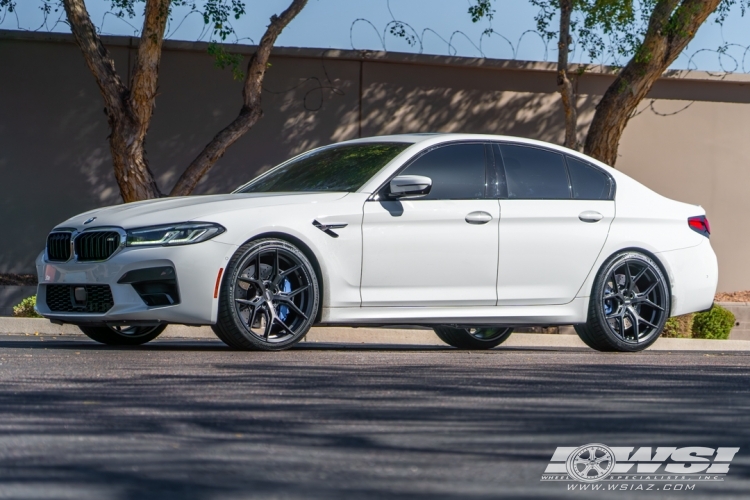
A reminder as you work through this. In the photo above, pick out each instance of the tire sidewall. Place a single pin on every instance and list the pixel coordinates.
(597, 311)
(236, 265)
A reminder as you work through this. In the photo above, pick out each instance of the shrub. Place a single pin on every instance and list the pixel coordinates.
(713, 324)
(679, 327)
(26, 308)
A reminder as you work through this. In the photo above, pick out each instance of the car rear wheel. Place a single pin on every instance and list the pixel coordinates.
(123, 335)
(630, 303)
(269, 297)
(475, 338)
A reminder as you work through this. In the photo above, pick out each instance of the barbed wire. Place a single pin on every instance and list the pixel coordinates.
(730, 57)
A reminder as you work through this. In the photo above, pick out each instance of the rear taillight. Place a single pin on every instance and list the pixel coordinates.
(700, 224)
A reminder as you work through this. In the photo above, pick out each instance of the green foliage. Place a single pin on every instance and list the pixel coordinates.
(482, 9)
(679, 327)
(223, 59)
(217, 15)
(8, 4)
(713, 324)
(612, 28)
(26, 308)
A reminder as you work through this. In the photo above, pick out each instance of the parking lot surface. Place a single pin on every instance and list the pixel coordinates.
(191, 419)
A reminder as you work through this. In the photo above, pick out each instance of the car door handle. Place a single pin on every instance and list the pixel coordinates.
(590, 216)
(478, 218)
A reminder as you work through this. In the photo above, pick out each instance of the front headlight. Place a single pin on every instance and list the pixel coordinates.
(174, 234)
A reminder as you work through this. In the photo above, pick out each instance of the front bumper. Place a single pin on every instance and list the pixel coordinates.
(196, 268)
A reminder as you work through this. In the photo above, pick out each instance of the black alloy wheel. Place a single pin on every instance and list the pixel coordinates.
(269, 297)
(469, 337)
(124, 334)
(629, 305)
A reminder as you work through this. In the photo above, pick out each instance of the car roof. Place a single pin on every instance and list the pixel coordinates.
(433, 138)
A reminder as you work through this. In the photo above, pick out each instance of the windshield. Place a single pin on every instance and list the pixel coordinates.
(339, 168)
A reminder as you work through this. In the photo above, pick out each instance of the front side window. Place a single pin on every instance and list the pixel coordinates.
(589, 183)
(457, 171)
(344, 168)
(534, 174)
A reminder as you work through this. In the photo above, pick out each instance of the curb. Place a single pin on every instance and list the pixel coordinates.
(342, 335)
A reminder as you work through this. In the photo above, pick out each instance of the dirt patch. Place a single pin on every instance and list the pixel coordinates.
(18, 280)
(741, 296)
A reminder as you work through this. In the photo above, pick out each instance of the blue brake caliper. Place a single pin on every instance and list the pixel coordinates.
(286, 287)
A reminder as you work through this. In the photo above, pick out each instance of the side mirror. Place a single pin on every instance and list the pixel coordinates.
(410, 186)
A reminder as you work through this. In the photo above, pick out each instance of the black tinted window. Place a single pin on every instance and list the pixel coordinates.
(533, 173)
(340, 168)
(457, 171)
(589, 183)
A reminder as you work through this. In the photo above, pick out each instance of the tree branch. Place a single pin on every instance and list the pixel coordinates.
(144, 81)
(564, 85)
(251, 110)
(96, 55)
(672, 25)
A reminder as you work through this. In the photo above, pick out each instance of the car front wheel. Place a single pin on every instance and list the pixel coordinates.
(629, 305)
(269, 297)
(476, 338)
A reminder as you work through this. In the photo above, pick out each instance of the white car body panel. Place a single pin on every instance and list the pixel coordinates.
(423, 253)
(546, 251)
(533, 264)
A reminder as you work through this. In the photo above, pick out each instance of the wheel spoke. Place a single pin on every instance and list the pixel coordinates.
(647, 302)
(253, 315)
(289, 330)
(276, 269)
(247, 302)
(598, 468)
(270, 317)
(640, 275)
(296, 292)
(634, 321)
(614, 282)
(288, 302)
(286, 273)
(628, 278)
(642, 320)
(649, 289)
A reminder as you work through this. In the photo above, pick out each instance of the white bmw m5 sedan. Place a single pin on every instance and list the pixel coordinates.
(471, 235)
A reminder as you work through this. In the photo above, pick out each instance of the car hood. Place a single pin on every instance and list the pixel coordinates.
(172, 210)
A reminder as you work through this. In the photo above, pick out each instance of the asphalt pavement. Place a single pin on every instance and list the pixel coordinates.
(191, 419)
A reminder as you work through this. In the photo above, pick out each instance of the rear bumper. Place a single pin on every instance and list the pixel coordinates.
(196, 269)
(694, 275)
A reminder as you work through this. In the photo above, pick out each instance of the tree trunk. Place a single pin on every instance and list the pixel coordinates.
(564, 84)
(672, 25)
(128, 109)
(251, 110)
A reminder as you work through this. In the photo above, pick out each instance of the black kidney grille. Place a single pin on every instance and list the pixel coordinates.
(98, 299)
(96, 245)
(58, 247)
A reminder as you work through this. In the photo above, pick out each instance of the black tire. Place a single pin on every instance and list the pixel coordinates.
(478, 338)
(629, 305)
(133, 335)
(269, 297)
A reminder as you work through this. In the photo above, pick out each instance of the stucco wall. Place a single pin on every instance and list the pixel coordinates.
(55, 162)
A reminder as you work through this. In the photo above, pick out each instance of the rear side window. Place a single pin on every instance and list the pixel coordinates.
(457, 171)
(533, 174)
(589, 183)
